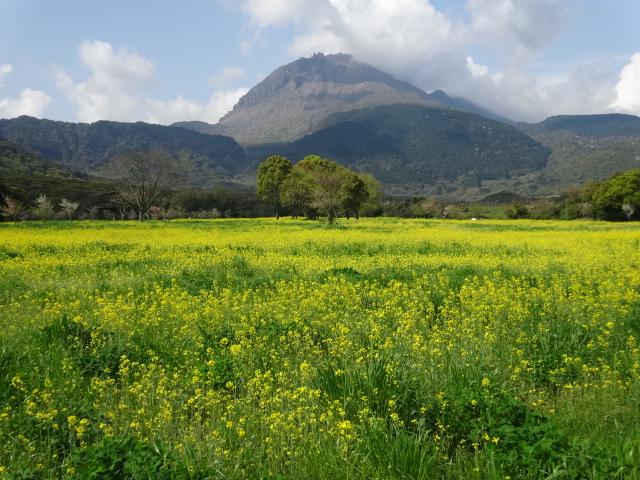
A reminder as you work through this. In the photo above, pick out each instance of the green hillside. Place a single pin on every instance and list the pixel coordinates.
(411, 144)
(211, 159)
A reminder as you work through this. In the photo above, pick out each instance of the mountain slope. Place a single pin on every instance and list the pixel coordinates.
(585, 147)
(458, 103)
(297, 97)
(85, 147)
(24, 175)
(16, 160)
(407, 146)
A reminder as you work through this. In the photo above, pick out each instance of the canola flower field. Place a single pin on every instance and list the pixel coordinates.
(264, 349)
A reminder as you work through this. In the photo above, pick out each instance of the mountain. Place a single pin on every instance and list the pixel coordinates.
(201, 127)
(415, 149)
(297, 97)
(458, 103)
(86, 147)
(585, 147)
(596, 126)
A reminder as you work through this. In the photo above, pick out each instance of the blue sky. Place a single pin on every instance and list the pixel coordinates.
(162, 61)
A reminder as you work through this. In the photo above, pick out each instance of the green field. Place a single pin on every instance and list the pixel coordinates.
(285, 349)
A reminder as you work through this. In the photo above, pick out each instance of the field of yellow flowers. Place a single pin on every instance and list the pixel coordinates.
(267, 349)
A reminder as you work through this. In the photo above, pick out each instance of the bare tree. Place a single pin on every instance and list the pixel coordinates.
(43, 208)
(12, 208)
(143, 178)
(68, 207)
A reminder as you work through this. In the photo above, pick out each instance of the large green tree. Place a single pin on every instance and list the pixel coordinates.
(619, 197)
(297, 193)
(271, 175)
(333, 188)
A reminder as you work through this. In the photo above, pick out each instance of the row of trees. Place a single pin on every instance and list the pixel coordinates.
(316, 186)
(43, 208)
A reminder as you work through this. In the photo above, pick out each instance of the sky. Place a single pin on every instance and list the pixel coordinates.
(167, 61)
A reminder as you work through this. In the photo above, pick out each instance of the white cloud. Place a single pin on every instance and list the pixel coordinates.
(268, 13)
(524, 26)
(475, 69)
(628, 87)
(229, 76)
(182, 109)
(29, 102)
(585, 89)
(117, 89)
(5, 69)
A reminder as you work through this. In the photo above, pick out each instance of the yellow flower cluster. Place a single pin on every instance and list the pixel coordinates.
(256, 348)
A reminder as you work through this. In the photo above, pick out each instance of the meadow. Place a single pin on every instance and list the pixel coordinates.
(378, 348)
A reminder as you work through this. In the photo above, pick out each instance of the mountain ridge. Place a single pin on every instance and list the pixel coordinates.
(87, 146)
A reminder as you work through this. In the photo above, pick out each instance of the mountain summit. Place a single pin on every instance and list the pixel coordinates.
(296, 98)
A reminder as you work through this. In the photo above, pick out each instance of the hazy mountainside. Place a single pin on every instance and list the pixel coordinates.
(201, 127)
(597, 126)
(585, 147)
(297, 97)
(24, 175)
(458, 103)
(16, 160)
(85, 147)
(406, 146)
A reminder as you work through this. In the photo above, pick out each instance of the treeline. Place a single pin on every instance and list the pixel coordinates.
(148, 185)
(214, 203)
(616, 199)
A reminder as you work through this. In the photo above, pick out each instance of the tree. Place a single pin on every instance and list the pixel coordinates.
(612, 196)
(327, 179)
(12, 208)
(143, 177)
(372, 206)
(517, 210)
(42, 208)
(271, 175)
(68, 207)
(335, 189)
(297, 192)
(629, 209)
(354, 193)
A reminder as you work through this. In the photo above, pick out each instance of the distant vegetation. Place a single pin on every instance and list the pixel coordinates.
(34, 188)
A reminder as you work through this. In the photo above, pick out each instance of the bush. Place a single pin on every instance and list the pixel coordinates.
(619, 198)
(119, 457)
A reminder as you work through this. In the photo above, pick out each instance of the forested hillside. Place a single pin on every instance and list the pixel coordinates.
(211, 159)
(406, 145)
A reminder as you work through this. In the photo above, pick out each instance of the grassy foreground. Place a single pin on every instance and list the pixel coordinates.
(271, 349)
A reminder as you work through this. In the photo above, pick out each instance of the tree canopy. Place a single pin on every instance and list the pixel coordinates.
(619, 197)
(316, 186)
(271, 175)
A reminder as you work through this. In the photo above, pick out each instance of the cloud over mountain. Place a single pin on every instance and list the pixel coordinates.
(628, 87)
(117, 86)
(415, 41)
(29, 101)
